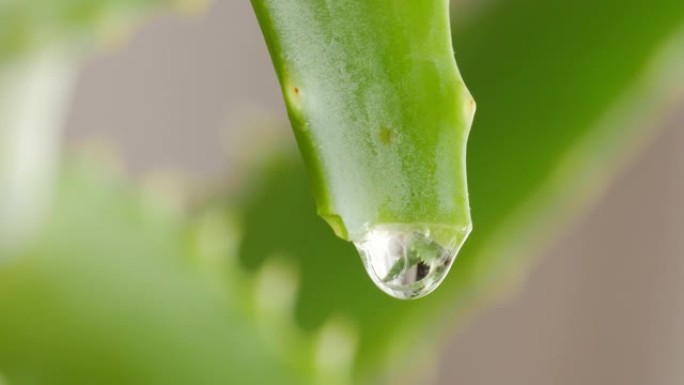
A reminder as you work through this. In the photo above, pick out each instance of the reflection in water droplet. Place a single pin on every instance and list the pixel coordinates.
(409, 261)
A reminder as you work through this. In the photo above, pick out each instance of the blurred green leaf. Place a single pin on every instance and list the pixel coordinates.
(110, 296)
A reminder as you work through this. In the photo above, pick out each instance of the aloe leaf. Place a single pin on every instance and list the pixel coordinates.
(377, 104)
(565, 91)
(381, 116)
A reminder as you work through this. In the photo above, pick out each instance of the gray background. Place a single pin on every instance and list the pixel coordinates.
(604, 305)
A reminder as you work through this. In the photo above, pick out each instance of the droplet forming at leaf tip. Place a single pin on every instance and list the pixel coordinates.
(407, 261)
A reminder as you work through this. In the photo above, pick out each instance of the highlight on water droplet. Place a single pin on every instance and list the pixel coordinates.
(410, 261)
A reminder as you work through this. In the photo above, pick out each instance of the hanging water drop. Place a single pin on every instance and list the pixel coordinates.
(407, 261)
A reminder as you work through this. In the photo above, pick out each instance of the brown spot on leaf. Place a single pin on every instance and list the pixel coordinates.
(386, 135)
(471, 106)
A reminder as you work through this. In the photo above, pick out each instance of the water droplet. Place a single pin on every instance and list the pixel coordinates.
(409, 261)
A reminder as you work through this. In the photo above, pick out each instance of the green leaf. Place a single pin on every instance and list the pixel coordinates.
(378, 107)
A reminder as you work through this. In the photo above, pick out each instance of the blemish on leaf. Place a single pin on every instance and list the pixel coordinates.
(294, 95)
(471, 106)
(386, 135)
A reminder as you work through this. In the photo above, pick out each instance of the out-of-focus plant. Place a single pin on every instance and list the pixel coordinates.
(119, 287)
(40, 42)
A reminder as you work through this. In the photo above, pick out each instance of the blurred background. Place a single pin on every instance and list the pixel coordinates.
(602, 305)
